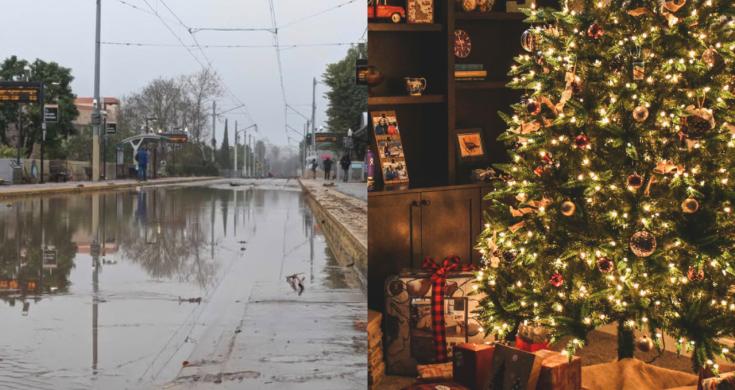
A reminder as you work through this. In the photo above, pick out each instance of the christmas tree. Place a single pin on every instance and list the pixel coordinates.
(616, 205)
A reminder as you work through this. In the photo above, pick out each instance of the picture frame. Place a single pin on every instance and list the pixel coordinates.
(389, 148)
(420, 11)
(470, 145)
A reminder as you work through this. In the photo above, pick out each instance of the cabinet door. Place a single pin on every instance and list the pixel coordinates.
(450, 224)
(393, 222)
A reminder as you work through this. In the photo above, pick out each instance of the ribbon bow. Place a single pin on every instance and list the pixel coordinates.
(438, 286)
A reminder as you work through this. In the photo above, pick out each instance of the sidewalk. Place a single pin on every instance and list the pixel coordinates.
(342, 216)
(16, 190)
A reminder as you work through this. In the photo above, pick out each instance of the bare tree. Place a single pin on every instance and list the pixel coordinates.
(202, 87)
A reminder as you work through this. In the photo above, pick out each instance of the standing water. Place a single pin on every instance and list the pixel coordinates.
(120, 289)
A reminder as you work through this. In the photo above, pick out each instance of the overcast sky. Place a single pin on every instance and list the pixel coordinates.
(63, 31)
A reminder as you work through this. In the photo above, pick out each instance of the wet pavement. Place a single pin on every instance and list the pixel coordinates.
(136, 284)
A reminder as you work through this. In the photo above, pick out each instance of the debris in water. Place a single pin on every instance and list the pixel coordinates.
(328, 184)
(242, 242)
(191, 300)
(296, 282)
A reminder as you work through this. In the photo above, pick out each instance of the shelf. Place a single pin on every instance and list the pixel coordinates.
(475, 85)
(403, 27)
(396, 100)
(509, 16)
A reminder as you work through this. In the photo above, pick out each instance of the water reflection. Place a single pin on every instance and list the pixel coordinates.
(99, 278)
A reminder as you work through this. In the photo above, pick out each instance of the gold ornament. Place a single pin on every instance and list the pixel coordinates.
(634, 182)
(469, 5)
(690, 206)
(640, 114)
(568, 208)
(644, 344)
(710, 57)
(643, 243)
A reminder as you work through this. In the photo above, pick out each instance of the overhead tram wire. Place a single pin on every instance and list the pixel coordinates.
(280, 64)
(234, 97)
(235, 46)
(317, 14)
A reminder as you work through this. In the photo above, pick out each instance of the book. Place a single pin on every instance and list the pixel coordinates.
(470, 73)
(469, 67)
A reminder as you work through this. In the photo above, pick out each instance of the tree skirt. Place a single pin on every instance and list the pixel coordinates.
(633, 374)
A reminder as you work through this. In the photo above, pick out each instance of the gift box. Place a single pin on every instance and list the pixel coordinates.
(558, 372)
(472, 363)
(514, 369)
(437, 386)
(376, 365)
(408, 326)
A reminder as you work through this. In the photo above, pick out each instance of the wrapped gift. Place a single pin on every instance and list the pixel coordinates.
(437, 386)
(472, 363)
(411, 334)
(532, 337)
(558, 372)
(514, 369)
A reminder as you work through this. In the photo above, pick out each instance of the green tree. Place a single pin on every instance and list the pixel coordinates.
(57, 90)
(617, 207)
(347, 100)
(223, 155)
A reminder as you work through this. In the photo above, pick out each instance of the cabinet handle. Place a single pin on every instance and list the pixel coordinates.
(414, 203)
(425, 202)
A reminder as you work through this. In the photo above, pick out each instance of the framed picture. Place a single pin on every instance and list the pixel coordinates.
(420, 11)
(470, 144)
(389, 148)
(385, 124)
(394, 171)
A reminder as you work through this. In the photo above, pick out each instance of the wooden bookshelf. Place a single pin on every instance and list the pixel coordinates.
(480, 85)
(402, 27)
(495, 16)
(375, 101)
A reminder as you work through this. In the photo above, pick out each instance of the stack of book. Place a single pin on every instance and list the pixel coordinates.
(469, 72)
(376, 365)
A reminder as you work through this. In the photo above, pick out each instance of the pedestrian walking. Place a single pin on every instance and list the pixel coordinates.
(345, 163)
(314, 165)
(327, 168)
(142, 158)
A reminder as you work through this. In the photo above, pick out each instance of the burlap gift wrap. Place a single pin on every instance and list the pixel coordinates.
(407, 342)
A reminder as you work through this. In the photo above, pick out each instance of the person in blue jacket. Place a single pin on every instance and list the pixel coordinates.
(142, 158)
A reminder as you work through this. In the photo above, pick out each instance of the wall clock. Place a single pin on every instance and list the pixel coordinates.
(462, 44)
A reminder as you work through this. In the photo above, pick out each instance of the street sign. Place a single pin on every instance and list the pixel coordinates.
(111, 128)
(51, 113)
(176, 137)
(325, 137)
(50, 258)
(20, 92)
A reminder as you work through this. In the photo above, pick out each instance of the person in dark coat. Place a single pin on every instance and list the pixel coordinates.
(142, 158)
(314, 165)
(327, 168)
(345, 163)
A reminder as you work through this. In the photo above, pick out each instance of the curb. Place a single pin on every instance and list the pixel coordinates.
(91, 187)
(346, 248)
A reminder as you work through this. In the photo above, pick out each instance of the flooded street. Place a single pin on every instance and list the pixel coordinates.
(133, 285)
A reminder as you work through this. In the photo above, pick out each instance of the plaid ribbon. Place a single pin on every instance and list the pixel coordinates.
(438, 286)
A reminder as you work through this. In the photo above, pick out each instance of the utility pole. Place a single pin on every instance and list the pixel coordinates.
(313, 115)
(97, 117)
(214, 127)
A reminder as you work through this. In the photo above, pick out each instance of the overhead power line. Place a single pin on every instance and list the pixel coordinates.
(234, 46)
(193, 30)
(291, 23)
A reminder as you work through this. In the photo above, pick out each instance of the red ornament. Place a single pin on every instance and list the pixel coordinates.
(539, 170)
(694, 274)
(546, 158)
(582, 141)
(556, 280)
(595, 31)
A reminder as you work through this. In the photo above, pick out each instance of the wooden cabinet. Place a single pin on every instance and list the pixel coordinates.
(407, 226)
